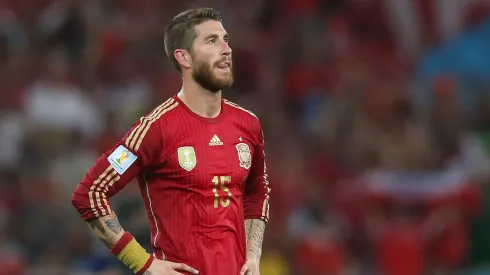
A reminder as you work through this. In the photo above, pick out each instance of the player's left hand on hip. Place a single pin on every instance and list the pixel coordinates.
(251, 267)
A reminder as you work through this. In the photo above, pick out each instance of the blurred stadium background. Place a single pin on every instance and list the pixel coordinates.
(376, 115)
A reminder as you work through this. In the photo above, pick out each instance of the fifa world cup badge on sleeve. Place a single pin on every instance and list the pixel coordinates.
(244, 155)
(121, 159)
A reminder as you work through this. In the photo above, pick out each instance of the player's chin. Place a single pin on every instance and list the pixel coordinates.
(226, 84)
(224, 81)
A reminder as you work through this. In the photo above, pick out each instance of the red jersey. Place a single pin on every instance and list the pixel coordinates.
(200, 179)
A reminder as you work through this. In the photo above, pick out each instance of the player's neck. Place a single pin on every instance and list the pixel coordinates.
(204, 103)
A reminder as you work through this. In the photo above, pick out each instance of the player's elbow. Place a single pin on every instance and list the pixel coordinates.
(81, 202)
(78, 202)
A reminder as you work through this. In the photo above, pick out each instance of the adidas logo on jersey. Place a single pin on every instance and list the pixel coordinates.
(215, 141)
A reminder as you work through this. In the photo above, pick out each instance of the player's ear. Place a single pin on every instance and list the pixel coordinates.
(183, 57)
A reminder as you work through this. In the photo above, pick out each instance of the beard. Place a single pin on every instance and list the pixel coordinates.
(204, 76)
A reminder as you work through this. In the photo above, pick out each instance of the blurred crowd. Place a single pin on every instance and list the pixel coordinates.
(377, 136)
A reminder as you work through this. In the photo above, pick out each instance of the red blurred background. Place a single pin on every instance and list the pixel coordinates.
(373, 171)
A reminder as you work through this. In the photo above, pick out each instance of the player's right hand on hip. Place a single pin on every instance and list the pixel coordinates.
(160, 267)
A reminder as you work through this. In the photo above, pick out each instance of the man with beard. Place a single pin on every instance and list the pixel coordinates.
(199, 161)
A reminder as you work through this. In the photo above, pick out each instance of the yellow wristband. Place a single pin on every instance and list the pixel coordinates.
(132, 254)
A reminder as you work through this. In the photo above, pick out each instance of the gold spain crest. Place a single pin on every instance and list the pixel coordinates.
(244, 155)
(187, 157)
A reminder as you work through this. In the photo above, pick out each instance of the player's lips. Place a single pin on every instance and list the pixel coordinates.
(224, 65)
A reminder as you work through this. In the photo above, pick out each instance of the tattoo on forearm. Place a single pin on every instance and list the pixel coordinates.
(255, 236)
(99, 229)
(107, 236)
(97, 225)
(248, 228)
(113, 224)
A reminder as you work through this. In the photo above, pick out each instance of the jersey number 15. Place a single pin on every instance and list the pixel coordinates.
(219, 183)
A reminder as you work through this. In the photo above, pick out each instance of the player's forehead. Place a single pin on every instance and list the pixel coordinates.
(210, 28)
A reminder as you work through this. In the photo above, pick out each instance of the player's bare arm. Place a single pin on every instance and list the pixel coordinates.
(108, 229)
(254, 229)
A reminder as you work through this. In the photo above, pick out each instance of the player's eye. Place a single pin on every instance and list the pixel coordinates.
(212, 41)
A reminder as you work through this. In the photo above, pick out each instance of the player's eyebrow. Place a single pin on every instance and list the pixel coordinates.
(215, 36)
(211, 36)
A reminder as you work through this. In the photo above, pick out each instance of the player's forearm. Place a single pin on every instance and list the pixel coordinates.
(254, 229)
(108, 229)
(122, 244)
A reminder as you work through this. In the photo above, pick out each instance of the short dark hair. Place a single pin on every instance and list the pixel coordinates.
(180, 31)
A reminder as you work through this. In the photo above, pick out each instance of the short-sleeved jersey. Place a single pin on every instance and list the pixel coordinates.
(200, 179)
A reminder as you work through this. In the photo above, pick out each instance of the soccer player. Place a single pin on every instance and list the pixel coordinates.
(199, 161)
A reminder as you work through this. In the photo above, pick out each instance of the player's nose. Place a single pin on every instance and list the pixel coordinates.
(226, 49)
